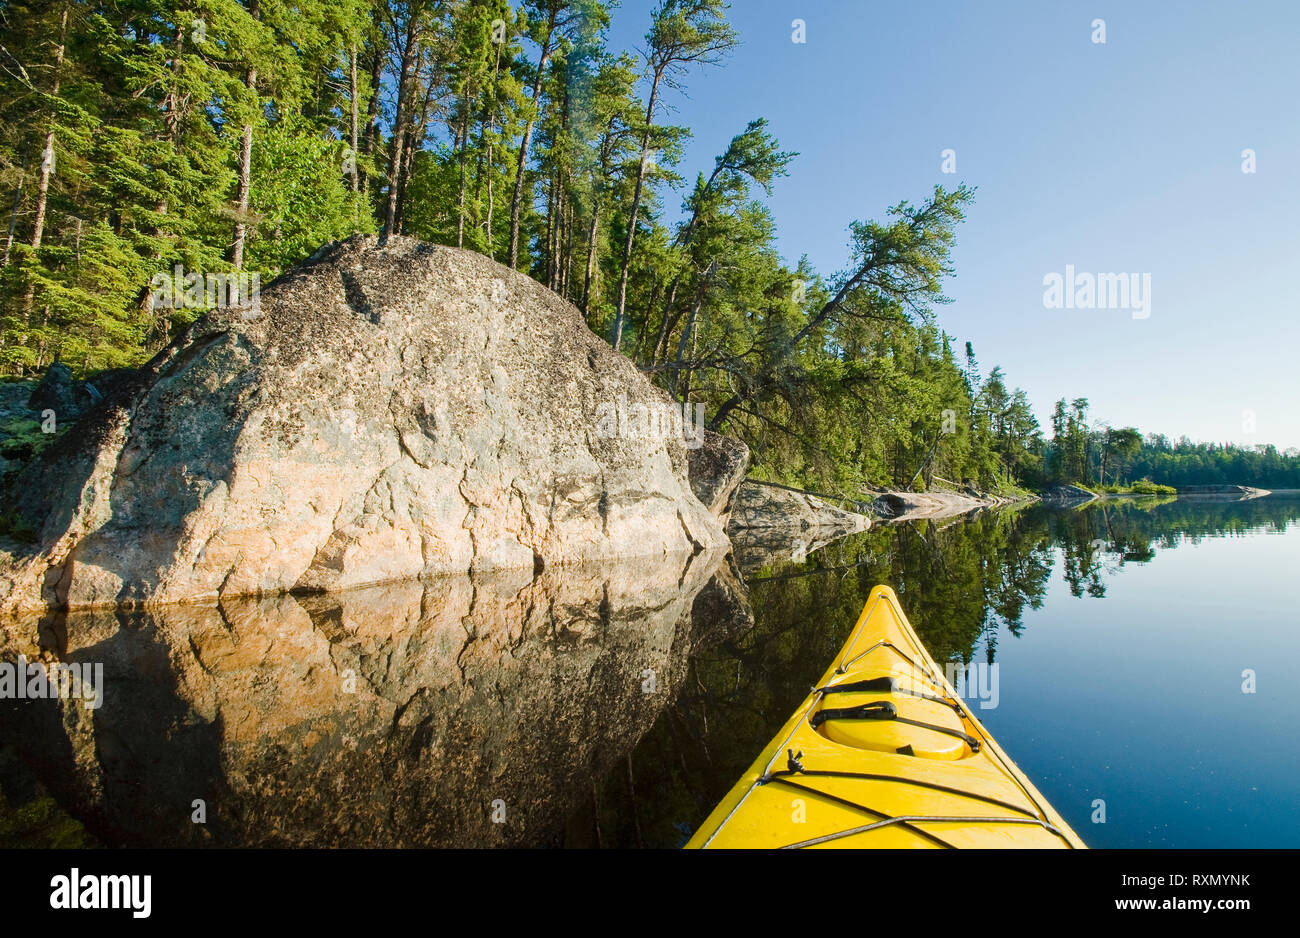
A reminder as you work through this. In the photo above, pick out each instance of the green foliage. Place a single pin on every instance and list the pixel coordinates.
(22, 438)
(843, 382)
(506, 124)
(299, 196)
(1147, 487)
(29, 817)
(12, 525)
(145, 107)
(1140, 487)
(1186, 463)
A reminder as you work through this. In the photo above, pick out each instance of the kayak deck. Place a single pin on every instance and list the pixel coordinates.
(883, 753)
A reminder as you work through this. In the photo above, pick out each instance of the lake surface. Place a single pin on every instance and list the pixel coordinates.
(1121, 631)
(614, 706)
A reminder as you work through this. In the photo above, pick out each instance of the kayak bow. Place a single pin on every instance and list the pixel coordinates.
(883, 753)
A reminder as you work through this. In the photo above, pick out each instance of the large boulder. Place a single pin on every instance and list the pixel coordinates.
(1067, 494)
(717, 466)
(58, 391)
(1222, 492)
(381, 413)
(937, 503)
(762, 506)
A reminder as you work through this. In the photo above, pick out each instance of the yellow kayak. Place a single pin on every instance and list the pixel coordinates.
(883, 753)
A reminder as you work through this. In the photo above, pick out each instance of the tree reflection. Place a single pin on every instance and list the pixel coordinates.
(965, 584)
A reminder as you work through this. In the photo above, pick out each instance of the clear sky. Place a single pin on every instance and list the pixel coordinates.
(1123, 157)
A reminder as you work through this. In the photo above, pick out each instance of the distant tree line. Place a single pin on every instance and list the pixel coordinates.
(1103, 455)
(1186, 463)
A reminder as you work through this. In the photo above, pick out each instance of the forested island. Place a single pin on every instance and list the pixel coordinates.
(145, 143)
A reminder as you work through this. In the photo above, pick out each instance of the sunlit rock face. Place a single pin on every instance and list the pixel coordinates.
(383, 413)
(765, 511)
(464, 711)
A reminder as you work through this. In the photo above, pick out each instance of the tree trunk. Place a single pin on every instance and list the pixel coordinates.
(517, 199)
(487, 221)
(47, 155)
(245, 185)
(403, 174)
(566, 249)
(464, 147)
(626, 266)
(13, 215)
(171, 121)
(688, 333)
(591, 258)
(245, 164)
(666, 326)
(591, 287)
(47, 170)
(414, 140)
(561, 206)
(492, 126)
(695, 346)
(478, 164)
(354, 117)
(550, 234)
(641, 336)
(399, 124)
(372, 106)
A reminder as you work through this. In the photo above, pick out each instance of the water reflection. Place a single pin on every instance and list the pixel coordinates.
(963, 583)
(467, 712)
(594, 707)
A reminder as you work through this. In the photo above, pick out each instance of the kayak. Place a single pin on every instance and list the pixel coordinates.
(884, 753)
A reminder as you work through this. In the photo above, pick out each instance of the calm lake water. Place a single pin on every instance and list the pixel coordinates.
(1124, 633)
(615, 706)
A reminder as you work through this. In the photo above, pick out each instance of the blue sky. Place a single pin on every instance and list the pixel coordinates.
(1123, 157)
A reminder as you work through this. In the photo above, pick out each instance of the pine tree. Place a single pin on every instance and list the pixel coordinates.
(682, 33)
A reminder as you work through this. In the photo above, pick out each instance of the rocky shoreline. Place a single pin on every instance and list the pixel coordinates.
(936, 504)
(765, 509)
(767, 506)
(384, 413)
(1231, 492)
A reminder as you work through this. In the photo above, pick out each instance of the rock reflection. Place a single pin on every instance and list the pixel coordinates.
(757, 548)
(459, 712)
